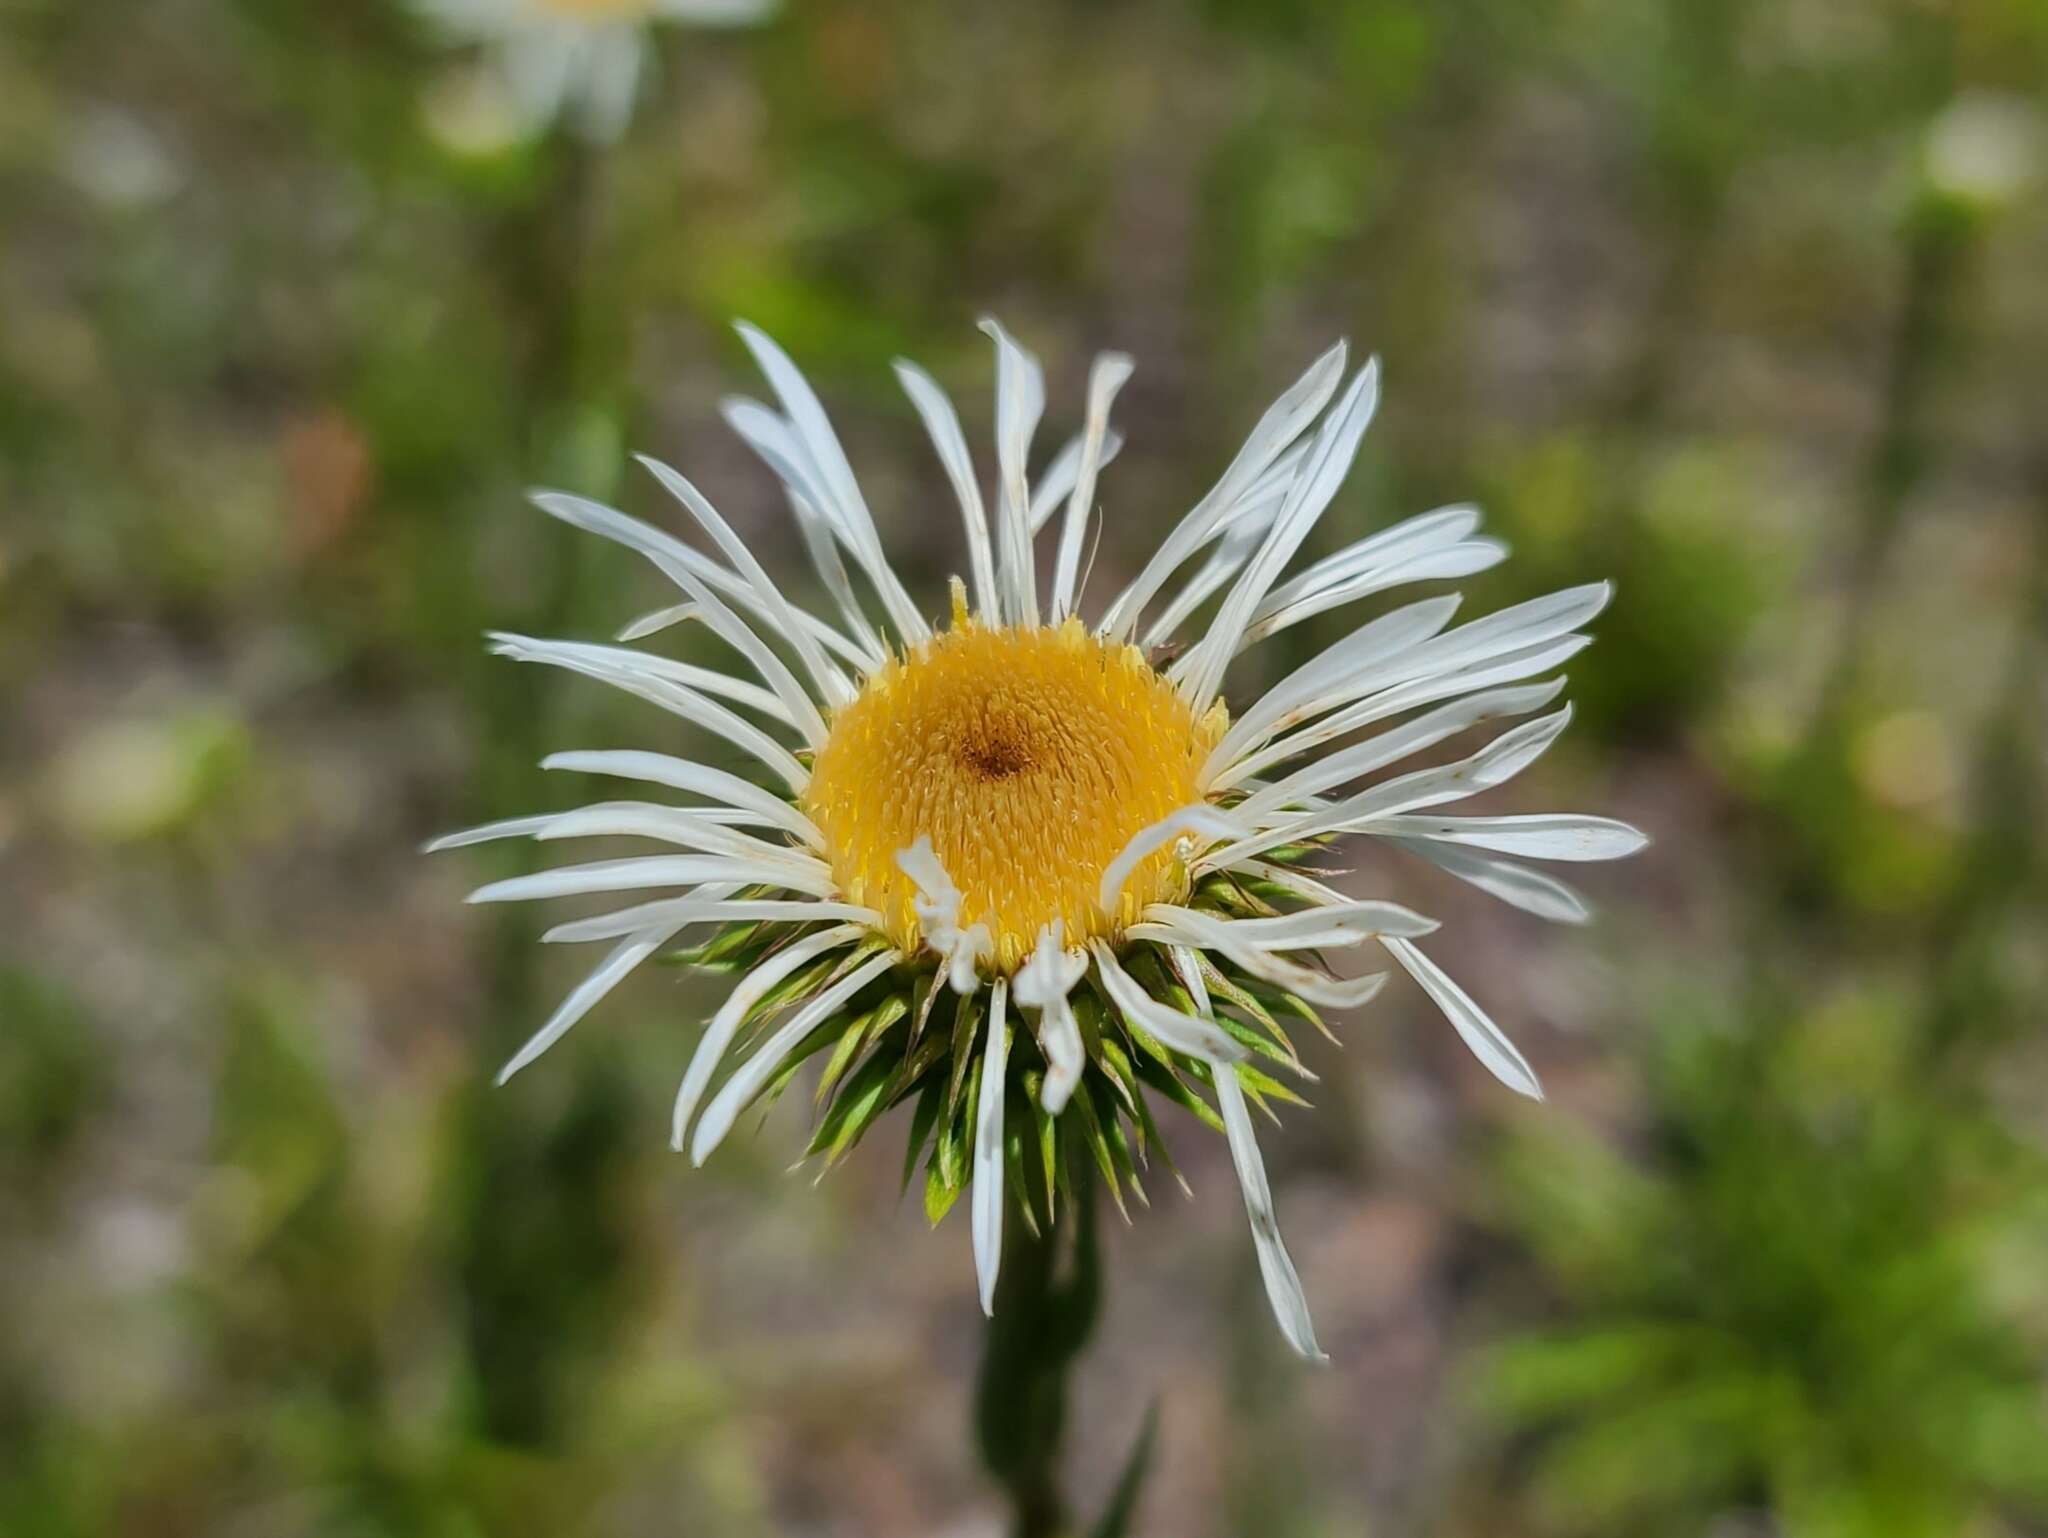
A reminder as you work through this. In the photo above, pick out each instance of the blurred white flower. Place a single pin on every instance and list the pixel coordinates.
(579, 59)
(1985, 148)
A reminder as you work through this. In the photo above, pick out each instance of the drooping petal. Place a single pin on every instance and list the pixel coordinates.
(987, 1196)
(1045, 980)
(1489, 1043)
(739, 1091)
(725, 1024)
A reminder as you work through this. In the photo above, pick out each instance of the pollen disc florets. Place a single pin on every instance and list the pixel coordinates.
(1029, 757)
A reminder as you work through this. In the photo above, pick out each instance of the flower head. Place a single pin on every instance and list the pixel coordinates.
(579, 57)
(1018, 872)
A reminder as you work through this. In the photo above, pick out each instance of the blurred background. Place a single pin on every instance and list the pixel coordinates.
(1743, 304)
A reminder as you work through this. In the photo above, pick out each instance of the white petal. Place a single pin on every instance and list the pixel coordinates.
(943, 424)
(834, 475)
(1284, 421)
(937, 905)
(772, 438)
(1530, 890)
(706, 905)
(1283, 1284)
(1020, 400)
(1381, 702)
(1048, 975)
(725, 1024)
(1105, 378)
(739, 1091)
(641, 873)
(1460, 560)
(692, 571)
(584, 997)
(1361, 919)
(1558, 836)
(1199, 818)
(829, 681)
(657, 621)
(1056, 481)
(1488, 1042)
(696, 779)
(1199, 930)
(673, 697)
(1178, 1030)
(1390, 747)
(1381, 650)
(684, 826)
(987, 1195)
(1495, 764)
(1322, 472)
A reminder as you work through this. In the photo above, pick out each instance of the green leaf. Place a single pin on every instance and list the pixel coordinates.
(1123, 1501)
(922, 1121)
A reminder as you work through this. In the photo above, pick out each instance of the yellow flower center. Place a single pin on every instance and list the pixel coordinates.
(1028, 758)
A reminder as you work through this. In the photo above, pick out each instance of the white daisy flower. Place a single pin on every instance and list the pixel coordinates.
(583, 58)
(1021, 867)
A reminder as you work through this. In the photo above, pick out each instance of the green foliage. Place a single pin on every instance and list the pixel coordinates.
(1789, 1297)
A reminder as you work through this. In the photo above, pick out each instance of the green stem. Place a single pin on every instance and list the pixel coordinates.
(1045, 1311)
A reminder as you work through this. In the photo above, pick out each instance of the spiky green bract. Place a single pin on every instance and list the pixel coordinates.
(908, 1039)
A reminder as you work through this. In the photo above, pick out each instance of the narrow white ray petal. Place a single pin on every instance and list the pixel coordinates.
(1517, 633)
(1225, 561)
(1360, 918)
(1204, 933)
(1020, 401)
(1056, 481)
(642, 872)
(1425, 531)
(1048, 975)
(1381, 702)
(1283, 1283)
(1516, 885)
(1315, 484)
(987, 1194)
(1241, 529)
(829, 681)
(655, 622)
(506, 827)
(1384, 646)
(1283, 1286)
(1466, 559)
(1176, 1029)
(739, 1091)
(937, 905)
(1284, 421)
(1551, 836)
(675, 825)
(708, 904)
(1199, 818)
(1105, 378)
(623, 661)
(772, 439)
(1495, 764)
(725, 1024)
(693, 572)
(942, 423)
(834, 474)
(1488, 1042)
(673, 697)
(629, 953)
(695, 779)
(1294, 879)
(1403, 741)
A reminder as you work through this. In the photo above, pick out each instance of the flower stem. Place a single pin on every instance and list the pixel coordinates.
(1045, 1311)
